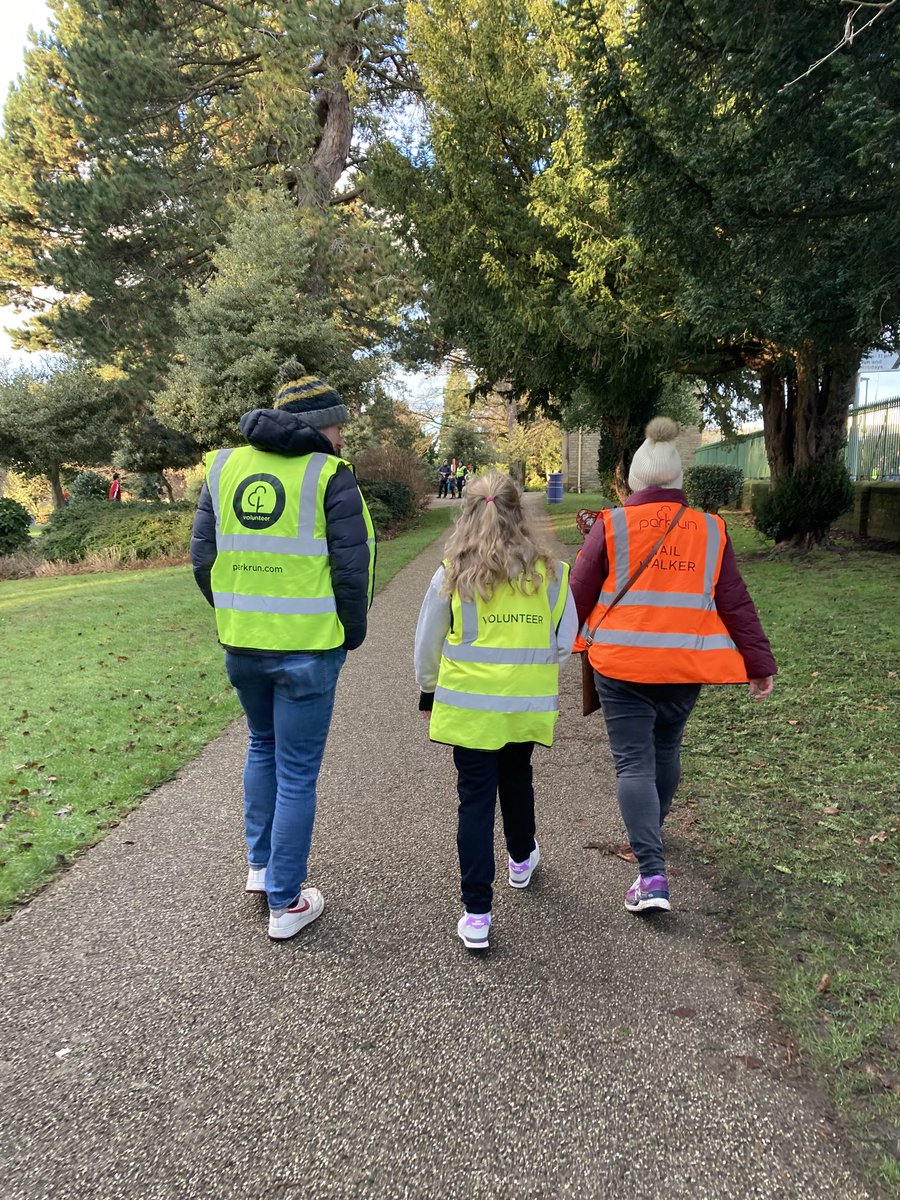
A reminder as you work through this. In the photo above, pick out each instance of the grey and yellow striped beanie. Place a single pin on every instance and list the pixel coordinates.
(314, 400)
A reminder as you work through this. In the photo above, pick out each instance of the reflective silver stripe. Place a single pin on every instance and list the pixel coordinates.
(291, 606)
(271, 544)
(504, 704)
(554, 589)
(620, 546)
(713, 544)
(306, 523)
(215, 472)
(469, 621)
(500, 654)
(660, 599)
(664, 641)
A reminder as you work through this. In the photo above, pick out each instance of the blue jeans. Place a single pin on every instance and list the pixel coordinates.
(288, 700)
(645, 723)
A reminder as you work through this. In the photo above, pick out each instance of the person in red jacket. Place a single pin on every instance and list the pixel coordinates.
(115, 488)
(658, 621)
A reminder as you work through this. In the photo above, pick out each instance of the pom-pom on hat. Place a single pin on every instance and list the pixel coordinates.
(314, 400)
(656, 461)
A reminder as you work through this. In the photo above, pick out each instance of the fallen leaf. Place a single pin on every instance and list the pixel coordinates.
(684, 1012)
(751, 1063)
(793, 722)
(784, 870)
(831, 810)
(880, 836)
(615, 849)
(824, 984)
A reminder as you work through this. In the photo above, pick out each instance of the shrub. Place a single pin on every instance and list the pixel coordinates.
(14, 526)
(381, 517)
(395, 499)
(713, 487)
(388, 464)
(21, 565)
(134, 530)
(804, 503)
(88, 485)
(194, 478)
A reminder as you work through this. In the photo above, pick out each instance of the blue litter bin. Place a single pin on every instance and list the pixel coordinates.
(554, 488)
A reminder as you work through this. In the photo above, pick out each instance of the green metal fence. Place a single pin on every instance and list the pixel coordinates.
(872, 452)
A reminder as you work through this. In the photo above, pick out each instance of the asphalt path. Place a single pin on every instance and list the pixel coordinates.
(154, 1044)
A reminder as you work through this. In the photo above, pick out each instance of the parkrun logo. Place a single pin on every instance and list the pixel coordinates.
(259, 501)
(663, 519)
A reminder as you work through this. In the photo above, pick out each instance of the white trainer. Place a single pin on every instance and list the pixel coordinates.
(309, 905)
(474, 929)
(520, 873)
(256, 879)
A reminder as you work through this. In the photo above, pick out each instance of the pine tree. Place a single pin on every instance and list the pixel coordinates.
(134, 123)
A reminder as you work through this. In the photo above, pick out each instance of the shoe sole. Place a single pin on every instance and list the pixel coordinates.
(284, 937)
(255, 891)
(518, 885)
(473, 945)
(649, 905)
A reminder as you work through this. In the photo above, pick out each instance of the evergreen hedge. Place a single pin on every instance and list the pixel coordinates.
(713, 486)
(14, 525)
(143, 530)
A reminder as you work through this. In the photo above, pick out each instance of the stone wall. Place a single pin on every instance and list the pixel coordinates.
(875, 513)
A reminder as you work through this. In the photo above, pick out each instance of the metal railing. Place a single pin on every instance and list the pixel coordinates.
(872, 451)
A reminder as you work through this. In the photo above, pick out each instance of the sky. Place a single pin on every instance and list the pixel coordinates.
(15, 18)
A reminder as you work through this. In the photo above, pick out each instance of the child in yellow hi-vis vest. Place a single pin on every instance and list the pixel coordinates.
(495, 624)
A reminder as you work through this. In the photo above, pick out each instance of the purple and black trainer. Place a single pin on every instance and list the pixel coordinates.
(648, 892)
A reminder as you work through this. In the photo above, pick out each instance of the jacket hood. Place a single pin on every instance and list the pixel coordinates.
(282, 432)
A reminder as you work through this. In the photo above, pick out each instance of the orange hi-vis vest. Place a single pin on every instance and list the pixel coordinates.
(665, 629)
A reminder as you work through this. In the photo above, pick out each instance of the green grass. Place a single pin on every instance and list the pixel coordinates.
(562, 516)
(108, 684)
(793, 805)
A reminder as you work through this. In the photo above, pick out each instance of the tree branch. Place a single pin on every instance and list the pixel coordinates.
(850, 34)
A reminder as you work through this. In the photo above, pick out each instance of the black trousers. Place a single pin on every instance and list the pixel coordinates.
(481, 775)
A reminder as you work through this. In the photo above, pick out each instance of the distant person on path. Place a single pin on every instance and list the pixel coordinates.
(462, 478)
(664, 610)
(443, 476)
(115, 488)
(283, 547)
(496, 622)
(452, 482)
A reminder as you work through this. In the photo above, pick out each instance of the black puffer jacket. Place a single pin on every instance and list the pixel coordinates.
(285, 433)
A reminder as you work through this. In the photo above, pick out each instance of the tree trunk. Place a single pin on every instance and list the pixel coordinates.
(805, 416)
(778, 403)
(55, 483)
(313, 183)
(168, 487)
(824, 393)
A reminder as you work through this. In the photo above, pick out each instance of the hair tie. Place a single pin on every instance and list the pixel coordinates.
(489, 499)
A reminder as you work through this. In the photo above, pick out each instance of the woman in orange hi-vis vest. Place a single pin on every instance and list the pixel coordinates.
(663, 609)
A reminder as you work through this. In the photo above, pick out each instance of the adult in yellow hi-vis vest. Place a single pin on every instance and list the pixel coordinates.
(283, 547)
(496, 622)
(665, 610)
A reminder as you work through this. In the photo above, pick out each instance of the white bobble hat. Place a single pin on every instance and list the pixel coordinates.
(656, 461)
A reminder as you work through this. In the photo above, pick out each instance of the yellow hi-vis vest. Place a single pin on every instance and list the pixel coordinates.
(271, 579)
(498, 681)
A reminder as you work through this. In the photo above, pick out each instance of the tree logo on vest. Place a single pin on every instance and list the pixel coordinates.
(259, 501)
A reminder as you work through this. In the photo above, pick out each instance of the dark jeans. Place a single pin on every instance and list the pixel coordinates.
(645, 723)
(481, 775)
